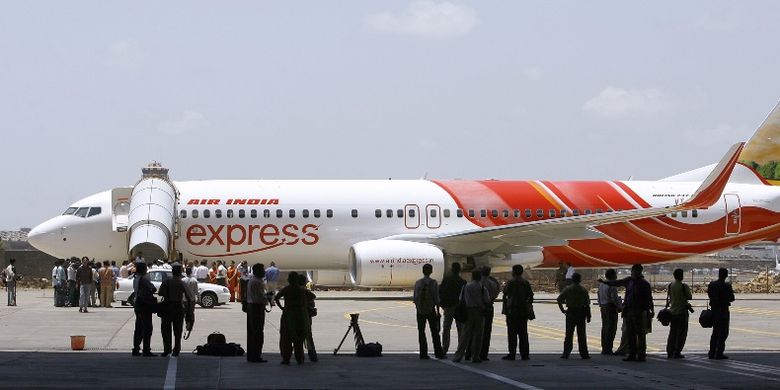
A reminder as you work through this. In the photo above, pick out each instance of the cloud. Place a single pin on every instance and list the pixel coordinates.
(428, 19)
(126, 54)
(188, 121)
(620, 103)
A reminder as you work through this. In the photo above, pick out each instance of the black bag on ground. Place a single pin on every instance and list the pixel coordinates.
(229, 349)
(369, 350)
(705, 318)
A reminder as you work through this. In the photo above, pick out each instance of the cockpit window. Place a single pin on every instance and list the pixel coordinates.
(70, 211)
(82, 212)
(93, 211)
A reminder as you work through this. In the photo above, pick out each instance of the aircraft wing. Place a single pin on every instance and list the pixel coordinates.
(520, 237)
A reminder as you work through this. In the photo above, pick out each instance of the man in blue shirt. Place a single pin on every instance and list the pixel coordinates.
(271, 276)
(637, 313)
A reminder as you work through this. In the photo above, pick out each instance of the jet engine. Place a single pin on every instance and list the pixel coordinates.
(392, 263)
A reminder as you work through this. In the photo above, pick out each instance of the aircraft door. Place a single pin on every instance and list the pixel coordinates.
(733, 214)
(433, 216)
(412, 216)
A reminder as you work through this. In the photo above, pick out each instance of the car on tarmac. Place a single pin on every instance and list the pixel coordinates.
(209, 295)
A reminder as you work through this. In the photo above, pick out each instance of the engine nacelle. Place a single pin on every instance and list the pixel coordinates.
(391, 263)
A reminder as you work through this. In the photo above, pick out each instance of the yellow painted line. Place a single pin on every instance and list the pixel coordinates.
(746, 330)
(750, 310)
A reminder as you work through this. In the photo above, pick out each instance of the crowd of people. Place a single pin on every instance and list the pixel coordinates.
(470, 307)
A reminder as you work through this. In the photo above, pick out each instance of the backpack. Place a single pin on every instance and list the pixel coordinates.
(216, 338)
(427, 302)
(216, 345)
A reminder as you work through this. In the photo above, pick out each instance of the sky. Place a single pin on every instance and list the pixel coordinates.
(90, 92)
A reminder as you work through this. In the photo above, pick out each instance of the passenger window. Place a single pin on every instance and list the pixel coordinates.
(684, 213)
(412, 213)
(266, 213)
(587, 211)
(354, 213)
(378, 213)
(539, 213)
(279, 213)
(206, 213)
(506, 214)
(253, 213)
(82, 212)
(599, 211)
(459, 213)
(218, 213)
(305, 213)
(694, 213)
(230, 213)
(433, 213)
(528, 213)
(183, 214)
(575, 212)
(70, 211)
(93, 211)
(194, 213)
(291, 213)
(446, 213)
(517, 213)
(563, 213)
(399, 213)
(241, 214)
(494, 213)
(551, 213)
(329, 213)
(317, 213)
(483, 213)
(674, 214)
(471, 213)
(389, 213)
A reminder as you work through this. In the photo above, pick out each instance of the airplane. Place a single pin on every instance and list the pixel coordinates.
(378, 233)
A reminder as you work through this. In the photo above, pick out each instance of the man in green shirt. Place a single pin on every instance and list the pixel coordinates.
(679, 295)
(577, 312)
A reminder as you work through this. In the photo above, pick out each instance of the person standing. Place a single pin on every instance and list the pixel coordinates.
(73, 291)
(311, 310)
(10, 281)
(84, 281)
(94, 289)
(493, 288)
(518, 300)
(255, 316)
(192, 284)
(426, 302)
(176, 296)
(475, 297)
(106, 275)
(202, 272)
(577, 313)
(272, 277)
(232, 280)
(213, 272)
(721, 295)
(679, 294)
(560, 276)
(124, 270)
(61, 290)
(243, 278)
(139, 258)
(569, 278)
(609, 305)
(292, 329)
(638, 312)
(221, 274)
(144, 306)
(449, 291)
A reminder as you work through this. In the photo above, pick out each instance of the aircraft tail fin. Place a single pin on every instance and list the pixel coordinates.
(762, 152)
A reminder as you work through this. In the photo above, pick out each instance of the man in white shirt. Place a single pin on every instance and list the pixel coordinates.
(202, 272)
(54, 281)
(610, 305)
(10, 281)
(221, 274)
(73, 294)
(139, 258)
(61, 289)
(569, 274)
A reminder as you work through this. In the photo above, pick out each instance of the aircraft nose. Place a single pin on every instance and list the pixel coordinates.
(42, 236)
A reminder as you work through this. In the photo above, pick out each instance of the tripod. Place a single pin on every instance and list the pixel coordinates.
(353, 325)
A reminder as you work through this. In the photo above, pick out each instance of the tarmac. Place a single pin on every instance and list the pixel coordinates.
(35, 351)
